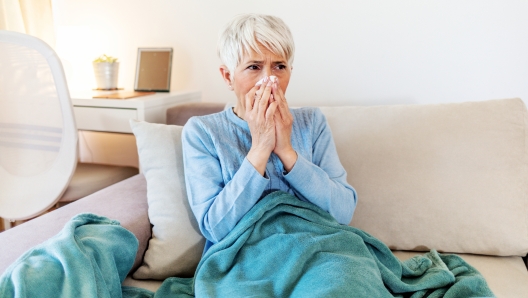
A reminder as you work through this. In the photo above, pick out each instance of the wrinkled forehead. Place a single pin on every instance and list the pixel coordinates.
(262, 52)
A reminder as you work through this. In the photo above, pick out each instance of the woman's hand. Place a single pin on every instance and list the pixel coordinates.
(283, 128)
(259, 115)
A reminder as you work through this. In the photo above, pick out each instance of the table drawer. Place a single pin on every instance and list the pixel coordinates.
(104, 119)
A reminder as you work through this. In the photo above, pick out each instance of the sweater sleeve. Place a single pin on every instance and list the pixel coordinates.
(322, 180)
(217, 206)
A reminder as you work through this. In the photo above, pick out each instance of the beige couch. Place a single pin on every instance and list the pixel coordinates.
(450, 177)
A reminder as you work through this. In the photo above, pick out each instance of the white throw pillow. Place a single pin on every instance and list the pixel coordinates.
(176, 245)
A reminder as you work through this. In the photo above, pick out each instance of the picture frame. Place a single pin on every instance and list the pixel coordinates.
(153, 69)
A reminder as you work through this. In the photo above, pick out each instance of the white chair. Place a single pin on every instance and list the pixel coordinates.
(38, 136)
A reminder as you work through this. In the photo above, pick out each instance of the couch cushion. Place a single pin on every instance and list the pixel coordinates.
(450, 177)
(149, 284)
(176, 244)
(506, 276)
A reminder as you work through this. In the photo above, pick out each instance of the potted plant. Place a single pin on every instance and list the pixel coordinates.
(106, 69)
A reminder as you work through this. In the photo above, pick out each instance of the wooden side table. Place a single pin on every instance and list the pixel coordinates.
(112, 115)
(105, 135)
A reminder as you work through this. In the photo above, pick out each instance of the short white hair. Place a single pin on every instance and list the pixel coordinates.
(246, 31)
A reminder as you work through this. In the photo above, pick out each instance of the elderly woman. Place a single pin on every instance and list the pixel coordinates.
(235, 157)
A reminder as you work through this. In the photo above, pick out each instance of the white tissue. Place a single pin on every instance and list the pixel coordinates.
(272, 79)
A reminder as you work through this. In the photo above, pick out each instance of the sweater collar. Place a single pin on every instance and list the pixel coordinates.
(235, 119)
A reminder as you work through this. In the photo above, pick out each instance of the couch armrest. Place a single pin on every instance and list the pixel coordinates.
(125, 201)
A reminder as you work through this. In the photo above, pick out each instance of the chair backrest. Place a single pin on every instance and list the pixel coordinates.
(38, 136)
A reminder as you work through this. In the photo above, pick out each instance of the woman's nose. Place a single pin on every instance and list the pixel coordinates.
(266, 71)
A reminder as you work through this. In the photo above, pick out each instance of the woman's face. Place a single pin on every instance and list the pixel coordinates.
(252, 68)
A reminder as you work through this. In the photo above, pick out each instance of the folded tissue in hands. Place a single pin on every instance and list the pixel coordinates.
(272, 79)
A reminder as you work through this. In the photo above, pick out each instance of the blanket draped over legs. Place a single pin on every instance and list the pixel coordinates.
(283, 247)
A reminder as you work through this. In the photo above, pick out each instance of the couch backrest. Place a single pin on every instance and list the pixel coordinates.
(450, 177)
(179, 114)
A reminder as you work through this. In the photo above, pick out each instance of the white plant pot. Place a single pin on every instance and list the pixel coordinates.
(106, 75)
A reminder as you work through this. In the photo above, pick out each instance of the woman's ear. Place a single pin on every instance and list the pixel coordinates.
(226, 75)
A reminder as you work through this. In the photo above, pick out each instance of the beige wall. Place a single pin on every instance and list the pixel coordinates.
(366, 52)
(348, 52)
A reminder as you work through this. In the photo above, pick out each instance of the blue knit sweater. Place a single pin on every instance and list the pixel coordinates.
(222, 185)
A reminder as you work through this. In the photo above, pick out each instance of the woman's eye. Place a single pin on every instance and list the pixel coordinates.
(253, 67)
(281, 66)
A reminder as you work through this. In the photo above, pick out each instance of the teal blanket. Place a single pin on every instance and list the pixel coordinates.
(90, 257)
(288, 248)
(282, 248)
